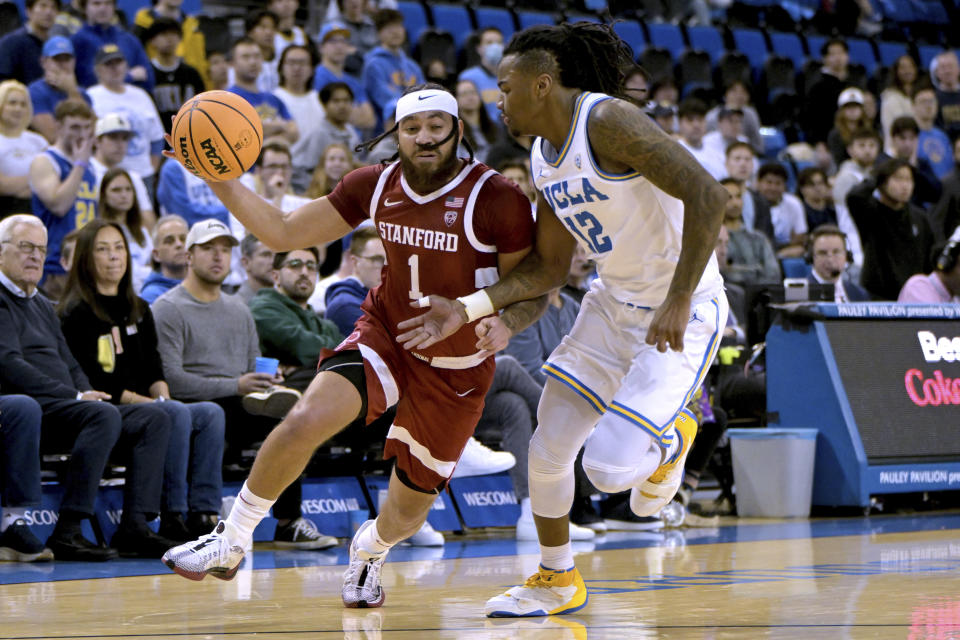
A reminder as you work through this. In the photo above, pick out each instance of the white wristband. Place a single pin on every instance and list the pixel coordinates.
(477, 305)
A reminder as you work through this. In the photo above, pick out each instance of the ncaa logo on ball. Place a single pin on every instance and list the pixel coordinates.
(213, 157)
(244, 139)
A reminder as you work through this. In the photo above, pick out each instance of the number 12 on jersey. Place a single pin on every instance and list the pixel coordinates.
(585, 226)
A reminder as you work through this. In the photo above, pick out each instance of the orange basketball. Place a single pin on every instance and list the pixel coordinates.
(217, 135)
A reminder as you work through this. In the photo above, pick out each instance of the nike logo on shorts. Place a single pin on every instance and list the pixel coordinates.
(466, 392)
(387, 202)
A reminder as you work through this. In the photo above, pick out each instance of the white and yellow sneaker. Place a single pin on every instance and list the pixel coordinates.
(658, 490)
(546, 593)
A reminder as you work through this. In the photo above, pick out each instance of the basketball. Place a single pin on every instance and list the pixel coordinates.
(217, 135)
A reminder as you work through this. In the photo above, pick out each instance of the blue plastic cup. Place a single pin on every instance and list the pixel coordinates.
(267, 365)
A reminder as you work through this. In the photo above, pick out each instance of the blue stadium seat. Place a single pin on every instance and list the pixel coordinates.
(706, 38)
(751, 43)
(898, 11)
(788, 45)
(414, 18)
(531, 18)
(668, 36)
(582, 17)
(927, 53)
(130, 7)
(452, 18)
(861, 52)
(814, 44)
(931, 12)
(495, 17)
(631, 33)
(890, 51)
(774, 141)
(795, 267)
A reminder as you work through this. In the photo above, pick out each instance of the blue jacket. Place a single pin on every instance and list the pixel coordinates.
(156, 285)
(385, 76)
(343, 299)
(90, 38)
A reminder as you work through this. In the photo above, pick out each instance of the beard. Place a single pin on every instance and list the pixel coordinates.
(427, 179)
(296, 293)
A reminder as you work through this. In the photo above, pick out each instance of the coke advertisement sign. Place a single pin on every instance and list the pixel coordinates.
(902, 380)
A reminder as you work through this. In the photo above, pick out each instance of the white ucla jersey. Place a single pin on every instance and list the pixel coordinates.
(628, 226)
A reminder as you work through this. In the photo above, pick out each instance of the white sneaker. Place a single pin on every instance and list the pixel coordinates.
(656, 492)
(212, 554)
(527, 530)
(479, 460)
(275, 402)
(427, 536)
(361, 581)
(545, 593)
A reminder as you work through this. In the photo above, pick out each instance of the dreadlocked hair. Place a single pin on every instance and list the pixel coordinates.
(585, 55)
(367, 145)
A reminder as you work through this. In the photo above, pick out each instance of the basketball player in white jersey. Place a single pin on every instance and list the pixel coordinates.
(649, 216)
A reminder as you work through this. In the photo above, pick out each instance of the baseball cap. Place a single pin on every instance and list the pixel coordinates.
(850, 95)
(57, 46)
(107, 53)
(333, 29)
(113, 123)
(207, 230)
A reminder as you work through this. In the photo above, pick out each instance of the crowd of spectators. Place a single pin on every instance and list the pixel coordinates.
(136, 310)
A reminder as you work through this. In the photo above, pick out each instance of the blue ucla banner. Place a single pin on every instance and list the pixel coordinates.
(486, 501)
(442, 516)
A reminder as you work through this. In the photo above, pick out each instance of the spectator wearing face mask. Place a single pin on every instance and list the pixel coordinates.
(484, 75)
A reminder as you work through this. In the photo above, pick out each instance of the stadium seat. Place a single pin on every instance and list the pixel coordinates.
(414, 18)
(773, 141)
(452, 18)
(752, 44)
(898, 11)
(795, 267)
(631, 33)
(707, 38)
(582, 17)
(861, 52)
(495, 17)
(531, 18)
(927, 54)
(788, 45)
(658, 62)
(814, 45)
(890, 51)
(931, 12)
(667, 36)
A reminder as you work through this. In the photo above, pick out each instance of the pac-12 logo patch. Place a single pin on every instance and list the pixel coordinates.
(449, 217)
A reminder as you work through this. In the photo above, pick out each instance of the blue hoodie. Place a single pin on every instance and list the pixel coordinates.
(155, 285)
(386, 75)
(343, 299)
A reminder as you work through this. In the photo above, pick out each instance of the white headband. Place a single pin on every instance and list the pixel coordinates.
(427, 100)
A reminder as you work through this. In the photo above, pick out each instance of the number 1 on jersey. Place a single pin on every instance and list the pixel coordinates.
(414, 262)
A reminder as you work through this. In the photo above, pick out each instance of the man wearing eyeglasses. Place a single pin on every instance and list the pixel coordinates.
(289, 329)
(364, 263)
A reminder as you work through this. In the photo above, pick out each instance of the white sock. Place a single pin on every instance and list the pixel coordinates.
(11, 515)
(557, 558)
(370, 542)
(247, 512)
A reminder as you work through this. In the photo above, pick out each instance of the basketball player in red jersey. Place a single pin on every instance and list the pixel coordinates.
(448, 226)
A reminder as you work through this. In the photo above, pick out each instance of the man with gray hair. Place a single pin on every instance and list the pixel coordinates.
(256, 259)
(169, 257)
(35, 361)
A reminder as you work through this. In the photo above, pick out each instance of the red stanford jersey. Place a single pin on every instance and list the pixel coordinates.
(443, 243)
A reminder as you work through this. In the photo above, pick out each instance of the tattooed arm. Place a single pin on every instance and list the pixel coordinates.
(623, 137)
